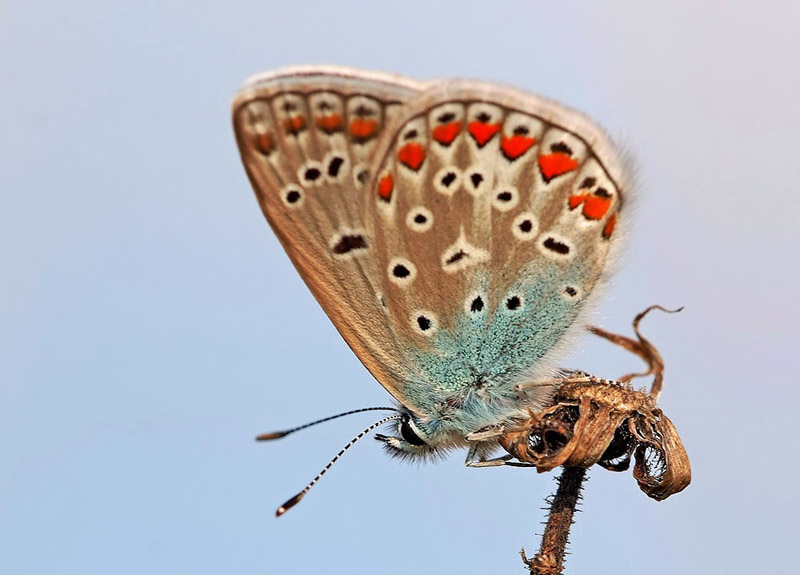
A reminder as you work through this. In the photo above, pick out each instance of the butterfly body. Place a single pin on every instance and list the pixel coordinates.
(454, 231)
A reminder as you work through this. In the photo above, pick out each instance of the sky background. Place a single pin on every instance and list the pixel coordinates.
(151, 325)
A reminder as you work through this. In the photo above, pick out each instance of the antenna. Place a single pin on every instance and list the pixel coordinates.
(296, 499)
(279, 434)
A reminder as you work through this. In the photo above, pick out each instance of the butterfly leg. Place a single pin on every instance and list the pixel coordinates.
(489, 433)
(474, 460)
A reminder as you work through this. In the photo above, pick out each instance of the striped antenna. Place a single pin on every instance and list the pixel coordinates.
(296, 499)
(279, 434)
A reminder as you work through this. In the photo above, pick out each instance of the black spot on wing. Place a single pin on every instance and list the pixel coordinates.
(448, 179)
(349, 243)
(556, 246)
(334, 166)
(562, 148)
(400, 271)
(459, 255)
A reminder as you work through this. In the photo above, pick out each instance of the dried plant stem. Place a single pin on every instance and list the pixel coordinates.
(550, 558)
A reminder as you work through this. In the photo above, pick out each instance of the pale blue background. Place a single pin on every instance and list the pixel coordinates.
(151, 325)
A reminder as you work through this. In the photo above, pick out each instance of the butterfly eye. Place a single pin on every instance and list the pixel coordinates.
(408, 433)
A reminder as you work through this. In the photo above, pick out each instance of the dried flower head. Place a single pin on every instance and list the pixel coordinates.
(593, 420)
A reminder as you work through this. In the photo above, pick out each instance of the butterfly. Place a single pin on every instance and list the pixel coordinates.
(454, 231)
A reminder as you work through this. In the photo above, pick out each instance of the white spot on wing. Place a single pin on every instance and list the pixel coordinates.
(447, 180)
(556, 246)
(525, 227)
(475, 304)
(419, 219)
(311, 173)
(352, 251)
(572, 293)
(424, 322)
(462, 255)
(477, 180)
(505, 198)
(293, 196)
(401, 271)
(338, 162)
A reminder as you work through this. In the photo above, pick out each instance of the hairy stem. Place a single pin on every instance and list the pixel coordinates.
(550, 558)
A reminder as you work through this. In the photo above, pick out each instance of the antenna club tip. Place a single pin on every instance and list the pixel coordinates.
(289, 504)
(268, 436)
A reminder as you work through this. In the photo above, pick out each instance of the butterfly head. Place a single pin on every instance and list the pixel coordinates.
(419, 439)
(411, 440)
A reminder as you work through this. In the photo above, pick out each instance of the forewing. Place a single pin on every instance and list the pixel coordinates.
(307, 137)
(493, 214)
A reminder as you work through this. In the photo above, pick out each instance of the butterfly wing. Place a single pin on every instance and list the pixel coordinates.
(492, 214)
(307, 137)
(453, 232)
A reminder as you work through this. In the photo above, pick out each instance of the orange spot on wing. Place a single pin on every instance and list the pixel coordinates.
(329, 124)
(595, 207)
(412, 155)
(513, 147)
(555, 164)
(386, 187)
(294, 124)
(263, 143)
(608, 229)
(482, 132)
(362, 129)
(446, 133)
(576, 200)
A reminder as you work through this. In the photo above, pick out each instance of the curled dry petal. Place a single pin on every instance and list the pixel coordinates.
(662, 467)
(606, 423)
